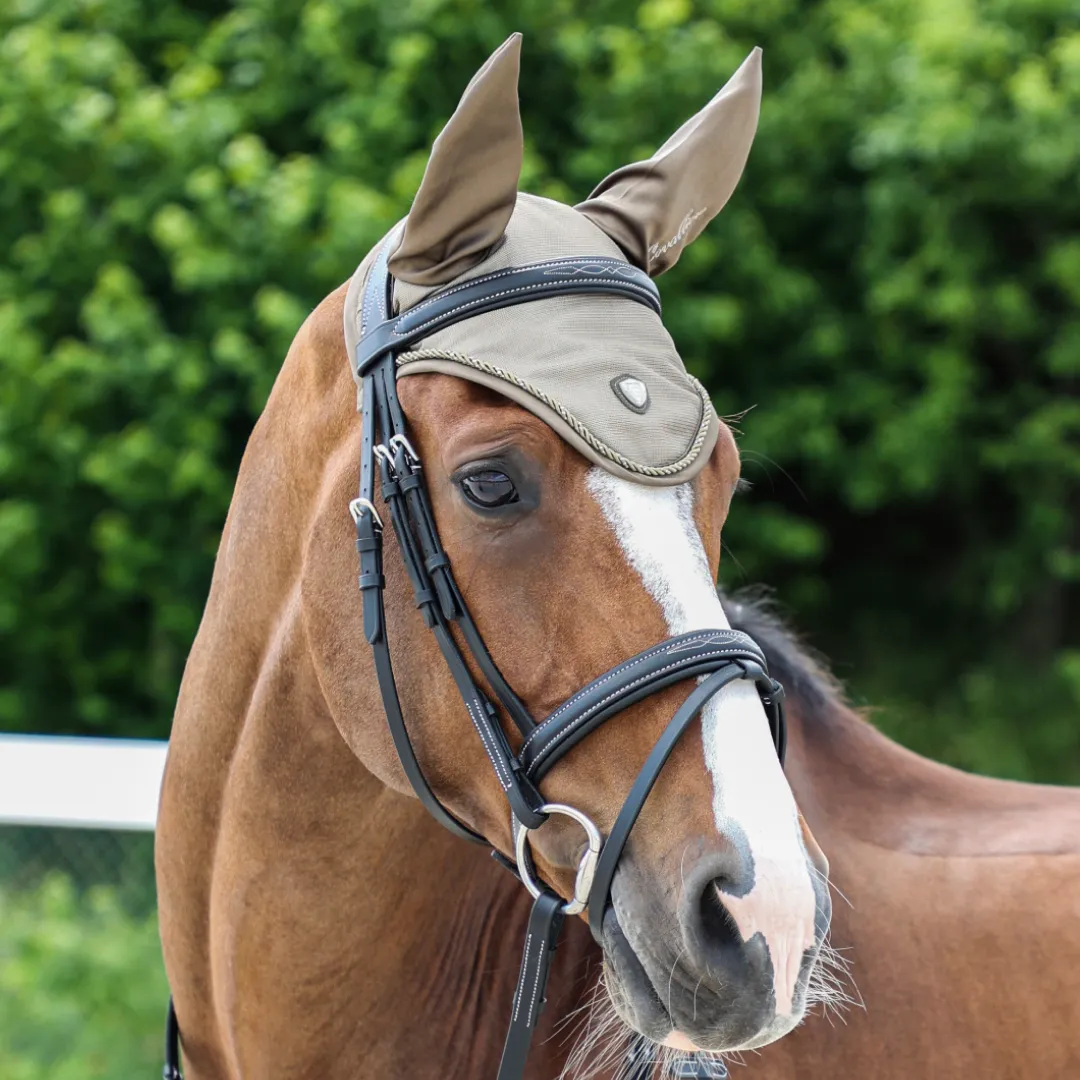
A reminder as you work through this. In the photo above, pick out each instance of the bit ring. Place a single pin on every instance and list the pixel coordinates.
(586, 868)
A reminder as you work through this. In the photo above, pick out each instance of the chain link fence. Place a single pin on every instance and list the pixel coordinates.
(123, 862)
(82, 985)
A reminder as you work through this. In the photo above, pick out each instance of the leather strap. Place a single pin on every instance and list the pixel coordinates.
(171, 1071)
(672, 661)
(646, 778)
(504, 288)
(434, 590)
(384, 672)
(545, 925)
(520, 792)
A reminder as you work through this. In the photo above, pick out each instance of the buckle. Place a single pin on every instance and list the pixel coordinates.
(406, 447)
(383, 454)
(359, 507)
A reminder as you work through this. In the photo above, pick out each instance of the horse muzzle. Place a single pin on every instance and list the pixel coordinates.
(681, 974)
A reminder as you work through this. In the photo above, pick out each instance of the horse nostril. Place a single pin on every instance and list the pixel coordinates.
(717, 926)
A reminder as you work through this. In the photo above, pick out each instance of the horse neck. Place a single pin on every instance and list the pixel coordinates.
(853, 784)
(949, 889)
(918, 849)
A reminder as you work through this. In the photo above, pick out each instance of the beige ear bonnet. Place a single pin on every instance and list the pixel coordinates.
(602, 371)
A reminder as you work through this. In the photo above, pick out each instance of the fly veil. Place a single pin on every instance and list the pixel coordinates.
(604, 373)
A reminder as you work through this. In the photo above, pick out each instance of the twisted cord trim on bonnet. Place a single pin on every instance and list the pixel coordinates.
(568, 417)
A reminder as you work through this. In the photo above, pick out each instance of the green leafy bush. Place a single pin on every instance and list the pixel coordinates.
(82, 987)
(895, 287)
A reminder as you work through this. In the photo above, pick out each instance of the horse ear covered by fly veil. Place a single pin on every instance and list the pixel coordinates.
(602, 371)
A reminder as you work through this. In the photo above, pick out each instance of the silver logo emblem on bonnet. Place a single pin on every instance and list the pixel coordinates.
(633, 393)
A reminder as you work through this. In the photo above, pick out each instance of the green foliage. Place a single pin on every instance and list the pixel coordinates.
(82, 987)
(895, 286)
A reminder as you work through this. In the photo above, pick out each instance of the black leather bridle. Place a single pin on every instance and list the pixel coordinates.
(713, 657)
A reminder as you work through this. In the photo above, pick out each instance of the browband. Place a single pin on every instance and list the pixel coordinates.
(503, 288)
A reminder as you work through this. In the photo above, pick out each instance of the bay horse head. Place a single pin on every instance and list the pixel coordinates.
(577, 481)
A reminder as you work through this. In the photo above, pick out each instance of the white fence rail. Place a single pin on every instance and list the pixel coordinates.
(80, 783)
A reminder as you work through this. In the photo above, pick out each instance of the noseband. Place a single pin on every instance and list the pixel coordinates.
(713, 657)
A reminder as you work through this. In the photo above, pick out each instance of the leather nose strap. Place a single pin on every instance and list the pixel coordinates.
(672, 661)
(612, 850)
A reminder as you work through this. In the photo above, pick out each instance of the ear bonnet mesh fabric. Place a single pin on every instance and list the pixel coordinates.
(577, 362)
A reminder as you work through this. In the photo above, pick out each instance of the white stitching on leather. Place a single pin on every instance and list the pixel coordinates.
(530, 1018)
(579, 428)
(702, 636)
(378, 302)
(560, 735)
(483, 279)
(521, 983)
(541, 285)
(487, 739)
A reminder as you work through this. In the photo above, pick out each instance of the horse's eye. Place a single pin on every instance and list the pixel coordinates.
(488, 488)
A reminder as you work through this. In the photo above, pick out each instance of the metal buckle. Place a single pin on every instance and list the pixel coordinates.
(586, 868)
(381, 452)
(357, 508)
(699, 1067)
(403, 442)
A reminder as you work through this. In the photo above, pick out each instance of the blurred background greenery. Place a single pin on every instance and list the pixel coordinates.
(82, 988)
(894, 289)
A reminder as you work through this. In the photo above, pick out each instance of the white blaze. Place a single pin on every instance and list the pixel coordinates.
(655, 528)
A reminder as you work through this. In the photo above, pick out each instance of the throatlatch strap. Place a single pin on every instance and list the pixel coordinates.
(545, 924)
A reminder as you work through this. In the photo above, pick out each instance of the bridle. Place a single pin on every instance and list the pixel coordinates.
(714, 657)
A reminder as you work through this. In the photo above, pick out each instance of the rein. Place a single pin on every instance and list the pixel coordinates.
(714, 657)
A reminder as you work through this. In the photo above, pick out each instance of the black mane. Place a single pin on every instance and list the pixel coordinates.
(803, 674)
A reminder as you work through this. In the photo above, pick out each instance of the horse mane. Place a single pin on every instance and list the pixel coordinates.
(803, 672)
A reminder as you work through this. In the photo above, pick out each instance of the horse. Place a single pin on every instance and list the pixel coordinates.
(317, 922)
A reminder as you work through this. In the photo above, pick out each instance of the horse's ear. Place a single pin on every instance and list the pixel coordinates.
(653, 209)
(470, 184)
